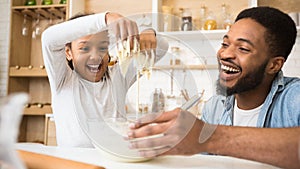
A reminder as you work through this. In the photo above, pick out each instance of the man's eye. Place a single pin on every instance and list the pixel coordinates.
(224, 45)
(244, 49)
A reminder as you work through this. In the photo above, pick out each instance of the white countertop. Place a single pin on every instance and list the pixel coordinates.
(93, 156)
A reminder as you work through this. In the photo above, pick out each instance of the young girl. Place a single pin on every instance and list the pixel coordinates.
(86, 88)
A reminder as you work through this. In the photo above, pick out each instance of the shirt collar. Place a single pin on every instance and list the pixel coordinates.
(278, 82)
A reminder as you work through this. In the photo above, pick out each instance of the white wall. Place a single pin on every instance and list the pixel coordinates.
(292, 65)
(4, 44)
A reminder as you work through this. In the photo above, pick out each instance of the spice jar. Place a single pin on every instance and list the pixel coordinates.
(186, 20)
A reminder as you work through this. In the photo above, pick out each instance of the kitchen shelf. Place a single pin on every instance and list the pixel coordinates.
(57, 11)
(202, 34)
(37, 110)
(27, 71)
(197, 35)
(183, 67)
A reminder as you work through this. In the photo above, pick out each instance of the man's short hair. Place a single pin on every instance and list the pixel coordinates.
(281, 30)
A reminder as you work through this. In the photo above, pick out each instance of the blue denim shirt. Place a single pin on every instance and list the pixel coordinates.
(280, 109)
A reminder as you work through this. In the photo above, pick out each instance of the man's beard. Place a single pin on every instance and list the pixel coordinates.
(249, 82)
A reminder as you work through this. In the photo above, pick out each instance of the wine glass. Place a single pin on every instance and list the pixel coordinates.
(125, 54)
(38, 29)
(50, 21)
(25, 27)
(145, 61)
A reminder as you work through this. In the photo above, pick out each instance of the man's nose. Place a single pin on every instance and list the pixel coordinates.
(227, 53)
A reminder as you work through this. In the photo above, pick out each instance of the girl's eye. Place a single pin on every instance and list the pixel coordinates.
(103, 49)
(84, 49)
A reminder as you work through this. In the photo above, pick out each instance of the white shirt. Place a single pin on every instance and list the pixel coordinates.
(245, 117)
(75, 98)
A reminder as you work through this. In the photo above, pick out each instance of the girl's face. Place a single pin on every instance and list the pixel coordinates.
(89, 56)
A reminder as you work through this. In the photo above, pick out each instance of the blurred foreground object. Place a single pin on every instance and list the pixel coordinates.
(41, 161)
(11, 109)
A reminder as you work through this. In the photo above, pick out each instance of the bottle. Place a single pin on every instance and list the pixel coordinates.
(210, 22)
(186, 20)
(202, 16)
(179, 19)
(63, 2)
(161, 105)
(47, 2)
(167, 13)
(158, 103)
(30, 2)
(226, 18)
(175, 59)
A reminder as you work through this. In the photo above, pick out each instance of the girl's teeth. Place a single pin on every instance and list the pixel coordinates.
(94, 68)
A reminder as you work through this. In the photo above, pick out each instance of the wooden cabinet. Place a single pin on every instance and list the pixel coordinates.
(26, 68)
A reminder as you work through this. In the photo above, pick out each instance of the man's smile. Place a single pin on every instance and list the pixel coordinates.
(229, 71)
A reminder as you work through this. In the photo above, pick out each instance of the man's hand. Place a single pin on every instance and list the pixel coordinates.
(177, 132)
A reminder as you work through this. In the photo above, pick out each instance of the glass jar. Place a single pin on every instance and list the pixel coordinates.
(186, 20)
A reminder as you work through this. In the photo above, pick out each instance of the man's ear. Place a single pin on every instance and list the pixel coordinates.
(275, 64)
(68, 53)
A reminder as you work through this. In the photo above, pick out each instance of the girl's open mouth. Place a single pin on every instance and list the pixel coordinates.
(94, 68)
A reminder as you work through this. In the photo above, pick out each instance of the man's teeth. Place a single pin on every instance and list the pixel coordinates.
(229, 69)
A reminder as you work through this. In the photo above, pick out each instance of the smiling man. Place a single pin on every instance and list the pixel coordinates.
(256, 113)
(250, 77)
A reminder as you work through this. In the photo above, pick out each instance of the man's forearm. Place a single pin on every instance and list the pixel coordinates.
(279, 147)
